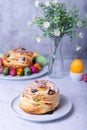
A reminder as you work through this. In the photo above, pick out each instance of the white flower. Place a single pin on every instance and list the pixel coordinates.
(55, 1)
(56, 32)
(78, 48)
(81, 35)
(46, 24)
(29, 23)
(47, 3)
(37, 3)
(34, 18)
(38, 39)
(79, 24)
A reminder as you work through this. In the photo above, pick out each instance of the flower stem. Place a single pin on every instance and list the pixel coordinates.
(56, 43)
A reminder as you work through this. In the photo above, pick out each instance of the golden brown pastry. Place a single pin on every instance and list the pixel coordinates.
(40, 97)
(18, 58)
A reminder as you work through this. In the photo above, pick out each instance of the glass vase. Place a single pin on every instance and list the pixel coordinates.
(56, 65)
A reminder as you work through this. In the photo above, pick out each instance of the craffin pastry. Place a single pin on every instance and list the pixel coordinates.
(40, 97)
(18, 58)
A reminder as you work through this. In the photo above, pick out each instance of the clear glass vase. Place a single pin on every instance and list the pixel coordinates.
(56, 65)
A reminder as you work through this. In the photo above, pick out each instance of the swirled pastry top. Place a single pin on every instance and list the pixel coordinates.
(41, 89)
(18, 58)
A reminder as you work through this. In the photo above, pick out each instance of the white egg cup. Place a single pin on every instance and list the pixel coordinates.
(76, 76)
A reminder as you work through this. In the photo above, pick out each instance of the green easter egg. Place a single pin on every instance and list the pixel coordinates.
(6, 71)
(27, 71)
(1, 55)
(41, 59)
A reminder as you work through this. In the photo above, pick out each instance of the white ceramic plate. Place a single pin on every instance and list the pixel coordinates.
(64, 108)
(8, 77)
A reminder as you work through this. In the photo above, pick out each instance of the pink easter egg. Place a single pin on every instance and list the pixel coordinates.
(34, 69)
(84, 77)
(12, 71)
(1, 69)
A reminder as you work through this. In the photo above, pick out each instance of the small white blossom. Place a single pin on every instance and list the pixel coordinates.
(38, 39)
(79, 24)
(56, 32)
(37, 3)
(29, 23)
(78, 48)
(47, 3)
(34, 18)
(81, 35)
(55, 1)
(46, 24)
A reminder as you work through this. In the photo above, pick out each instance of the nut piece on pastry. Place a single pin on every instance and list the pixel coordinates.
(18, 58)
(40, 97)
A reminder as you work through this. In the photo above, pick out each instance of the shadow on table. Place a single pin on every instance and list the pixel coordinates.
(64, 117)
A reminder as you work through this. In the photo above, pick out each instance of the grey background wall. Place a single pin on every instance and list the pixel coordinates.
(15, 32)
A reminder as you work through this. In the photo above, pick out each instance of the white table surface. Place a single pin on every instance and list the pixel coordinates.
(76, 91)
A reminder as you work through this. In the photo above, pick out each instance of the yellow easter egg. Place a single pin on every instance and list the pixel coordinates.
(77, 66)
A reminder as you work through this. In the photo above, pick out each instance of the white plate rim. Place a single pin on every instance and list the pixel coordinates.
(46, 117)
(32, 76)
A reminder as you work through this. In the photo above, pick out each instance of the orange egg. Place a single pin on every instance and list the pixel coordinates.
(38, 66)
(20, 71)
(77, 66)
(36, 54)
